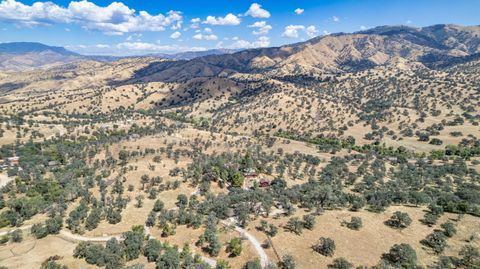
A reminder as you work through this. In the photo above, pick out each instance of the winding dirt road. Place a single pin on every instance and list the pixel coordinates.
(258, 247)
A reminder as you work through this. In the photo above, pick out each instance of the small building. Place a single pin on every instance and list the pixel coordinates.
(251, 178)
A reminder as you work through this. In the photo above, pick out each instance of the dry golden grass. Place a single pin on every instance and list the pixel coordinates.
(365, 246)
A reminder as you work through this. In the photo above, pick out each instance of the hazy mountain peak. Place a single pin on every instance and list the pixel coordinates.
(32, 47)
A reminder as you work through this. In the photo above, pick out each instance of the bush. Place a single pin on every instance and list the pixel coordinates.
(53, 225)
(437, 241)
(221, 264)
(39, 231)
(287, 262)
(16, 236)
(158, 206)
(51, 263)
(309, 222)
(436, 141)
(340, 263)
(355, 223)
(325, 246)
(401, 256)
(255, 264)
(470, 257)
(152, 250)
(449, 229)
(4, 239)
(235, 247)
(399, 220)
(430, 219)
(294, 225)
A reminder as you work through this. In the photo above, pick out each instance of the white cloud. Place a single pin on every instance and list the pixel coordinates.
(102, 46)
(208, 30)
(195, 23)
(293, 31)
(205, 37)
(257, 11)
(114, 19)
(325, 32)
(311, 31)
(363, 27)
(335, 18)
(299, 11)
(210, 37)
(263, 28)
(262, 41)
(132, 48)
(409, 21)
(175, 35)
(229, 19)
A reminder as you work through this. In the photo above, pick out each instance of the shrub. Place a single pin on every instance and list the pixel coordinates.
(340, 263)
(39, 231)
(294, 225)
(16, 236)
(449, 229)
(355, 223)
(401, 256)
(325, 246)
(234, 247)
(399, 220)
(309, 222)
(287, 262)
(437, 241)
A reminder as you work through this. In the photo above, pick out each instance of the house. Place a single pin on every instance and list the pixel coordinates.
(251, 178)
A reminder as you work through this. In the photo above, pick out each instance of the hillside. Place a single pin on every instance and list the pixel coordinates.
(19, 56)
(336, 53)
(359, 150)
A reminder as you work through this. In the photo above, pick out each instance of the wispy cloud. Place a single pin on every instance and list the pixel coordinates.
(262, 28)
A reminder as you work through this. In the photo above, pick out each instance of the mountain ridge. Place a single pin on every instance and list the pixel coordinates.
(335, 53)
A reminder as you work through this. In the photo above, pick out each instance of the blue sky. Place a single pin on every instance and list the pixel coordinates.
(160, 26)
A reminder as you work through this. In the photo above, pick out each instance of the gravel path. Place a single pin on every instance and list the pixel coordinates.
(76, 237)
(258, 247)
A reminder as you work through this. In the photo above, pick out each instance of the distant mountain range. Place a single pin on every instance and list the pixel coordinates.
(20, 56)
(188, 55)
(399, 46)
(434, 47)
(16, 48)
